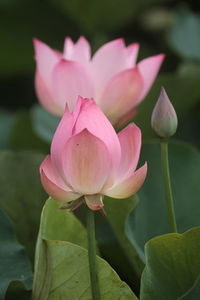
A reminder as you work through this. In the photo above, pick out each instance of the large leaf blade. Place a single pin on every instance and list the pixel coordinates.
(61, 269)
(172, 266)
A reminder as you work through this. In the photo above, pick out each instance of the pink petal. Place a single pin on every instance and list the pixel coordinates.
(70, 79)
(148, 69)
(80, 51)
(86, 163)
(121, 94)
(107, 61)
(132, 53)
(128, 186)
(126, 118)
(64, 131)
(53, 183)
(94, 202)
(92, 118)
(130, 141)
(61, 136)
(46, 59)
(68, 48)
(44, 94)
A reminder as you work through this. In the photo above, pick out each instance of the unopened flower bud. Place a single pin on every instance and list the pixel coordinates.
(164, 119)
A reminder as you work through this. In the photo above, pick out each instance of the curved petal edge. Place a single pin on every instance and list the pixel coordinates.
(128, 186)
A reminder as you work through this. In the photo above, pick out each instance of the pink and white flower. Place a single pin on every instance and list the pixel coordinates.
(88, 159)
(111, 76)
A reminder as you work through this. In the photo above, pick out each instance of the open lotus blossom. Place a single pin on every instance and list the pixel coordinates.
(111, 77)
(88, 159)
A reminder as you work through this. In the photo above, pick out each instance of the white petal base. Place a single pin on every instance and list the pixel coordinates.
(94, 202)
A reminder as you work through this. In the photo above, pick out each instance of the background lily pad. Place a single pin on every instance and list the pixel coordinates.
(14, 264)
(44, 123)
(117, 212)
(149, 218)
(21, 194)
(184, 36)
(173, 267)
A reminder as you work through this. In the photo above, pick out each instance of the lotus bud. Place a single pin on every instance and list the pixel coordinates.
(164, 119)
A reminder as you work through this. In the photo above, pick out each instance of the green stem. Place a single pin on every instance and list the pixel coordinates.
(167, 186)
(92, 255)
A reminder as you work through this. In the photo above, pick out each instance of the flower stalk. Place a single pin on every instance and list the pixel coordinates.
(167, 186)
(92, 254)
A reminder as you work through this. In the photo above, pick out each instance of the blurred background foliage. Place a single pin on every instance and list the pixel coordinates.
(171, 27)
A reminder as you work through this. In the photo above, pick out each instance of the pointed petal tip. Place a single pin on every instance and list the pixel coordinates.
(35, 41)
(67, 38)
(149, 68)
(133, 128)
(134, 45)
(82, 37)
(160, 57)
(136, 131)
(163, 92)
(154, 58)
(133, 125)
(38, 43)
(119, 41)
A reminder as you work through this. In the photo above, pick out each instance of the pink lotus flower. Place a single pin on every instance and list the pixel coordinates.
(88, 159)
(111, 77)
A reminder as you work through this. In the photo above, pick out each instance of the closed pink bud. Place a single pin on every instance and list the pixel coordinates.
(111, 77)
(88, 159)
(164, 119)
